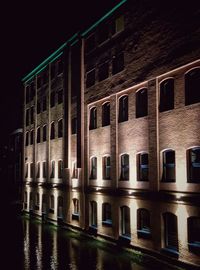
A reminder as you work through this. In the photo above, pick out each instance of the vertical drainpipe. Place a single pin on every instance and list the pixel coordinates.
(24, 140)
(35, 128)
(48, 128)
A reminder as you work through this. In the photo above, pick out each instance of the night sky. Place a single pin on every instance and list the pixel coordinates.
(30, 32)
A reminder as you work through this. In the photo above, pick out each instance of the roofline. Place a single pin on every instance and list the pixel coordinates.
(73, 39)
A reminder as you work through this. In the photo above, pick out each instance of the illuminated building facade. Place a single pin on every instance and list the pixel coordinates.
(111, 131)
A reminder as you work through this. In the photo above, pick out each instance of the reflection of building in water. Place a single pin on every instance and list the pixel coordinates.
(111, 131)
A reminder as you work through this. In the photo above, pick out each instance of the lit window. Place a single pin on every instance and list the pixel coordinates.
(106, 168)
(106, 214)
(103, 71)
(52, 169)
(170, 231)
(106, 114)
(123, 109)
(124, 167)
(52, 136)
(143, 223)
(167, 95)
(93, 118)
(193, 234)
(93, 168)
(117, 63)
(143, 167)
(141, 103)
(192, 82)
(90, 78)
(38, 135)
(125, 222)
(60, 128)
(168, 166)
(117, 25)
(193, 156)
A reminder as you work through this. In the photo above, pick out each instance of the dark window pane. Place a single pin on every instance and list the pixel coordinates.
(118, 63)
(90, 80)
(52, 136)
(123, 109)
(44, 133)
(141, 103)
(74, 126)
(52, 101)
(38, 135)
(93, 118)
(192, 82)
(124, 167)
(167, 95)
(93, 170)
(60, 96)
(106, 114)
(168, 166)
(90, 43)
(60, 128)
(103, 71)
(194, 165)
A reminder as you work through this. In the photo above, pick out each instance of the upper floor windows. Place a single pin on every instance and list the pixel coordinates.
(32, 114)
(44, 169)
(60, 96)
(123, 109)
(52, 203)
(193, 162)
(27, 117)
(52, 99)
(103, 71)
(38, 170)
(32, 136)
(52, 135)
(44, 103)
(117, 25)
(118, 63)
(44, 137)
(106, 168)
(106, 114)
(38, 135)
(192, 82)
(142, 166)
(90, 78)
(93, 168)
(124, 174)
(60, 128)
(74, 125)
(168, 163)
(166, 95)
(141, 103)
(93, 118)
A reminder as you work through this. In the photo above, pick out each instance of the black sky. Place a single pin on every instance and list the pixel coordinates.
(30, 31)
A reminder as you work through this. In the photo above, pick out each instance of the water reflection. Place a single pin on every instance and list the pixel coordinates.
(48, 247)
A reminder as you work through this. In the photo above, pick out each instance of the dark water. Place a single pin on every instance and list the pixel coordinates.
(33, 245)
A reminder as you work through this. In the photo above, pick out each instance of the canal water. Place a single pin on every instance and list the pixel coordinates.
(31, 244)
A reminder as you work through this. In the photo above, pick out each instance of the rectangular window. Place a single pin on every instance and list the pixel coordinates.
(106, 168)
(44, 169)
(103, 33)
(60, 96)
(27, 117)
(38, 107)
(44, 104)
(117, 25)
(118, 63)
(93, 168)
(52, 101)
(103, 71)
(31, 170)
(38, 170)
(52, 169)
(44, 133)
(32, 114)
(60, 169)
(90, 78)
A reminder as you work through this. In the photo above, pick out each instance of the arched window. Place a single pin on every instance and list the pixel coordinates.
(193, 234)
(32, 136)
(44, 169)
(142, 167)
(125, 221)
(38, 170)
(143, 223)
(123, 109)
(106, 114)
(93, 168)
(60, 128)
(26, 170)
(31, 170)
(168, 166)
(93, 118)
(124, 167)
(60, 169)
(52, 136)
(75, 213)
(52, 169)
(192, 82)
(38, 135)
(106, 214)
(141, 103)
(27, 138)
(170, 231)
(193, 165)
(51, 204)
(167, 95)
(44, 133)
(93, 218)
(106, 168)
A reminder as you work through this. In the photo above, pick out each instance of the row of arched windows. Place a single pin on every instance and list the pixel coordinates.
(142, 160)
(166, 96)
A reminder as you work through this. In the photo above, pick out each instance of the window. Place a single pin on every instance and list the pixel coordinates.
(60, 169)
(75, 170)
(52, 99)
(193, 234)
(192, 82)
(53, 70)
(31, 140)
(106, 114)
(60, 96)
(123, 109)
(143, 167)
(141, 103)
(143, 223)
(103, 33)
(124, 167)
(52, 169)
(52, 136)
(25, 197)
(44, 203)
(170, 231)
(51, 204)
(60, 66)
(31, 170)
(60, 128)
(90, 79)
(26, 170)
(93, 205)
(37, 201)
(106, 168)
(125, 221)
(168, 166)
(44, 104)
(38, 170)
(75, 214)
(117, 63)
(60, 207)
(38, 107)
(27, 138)
(27, 117)
(93, 118)
(103, 71)
(38, 135)
(32, 114)
(193, 162)
(106, 214)
(74, 125)
(93, 168)
(117, 25)
(44, 133)
(44, 168)
(167, 95)
(90, 43)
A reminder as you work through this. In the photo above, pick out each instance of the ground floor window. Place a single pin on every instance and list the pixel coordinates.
(125, 221)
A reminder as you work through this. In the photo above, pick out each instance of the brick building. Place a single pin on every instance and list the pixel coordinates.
(111, 130)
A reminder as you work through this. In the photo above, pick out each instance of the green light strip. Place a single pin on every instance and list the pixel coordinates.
(51, 58)
(40, 70)
(103, 18)
(56, 57)
(74, 42)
